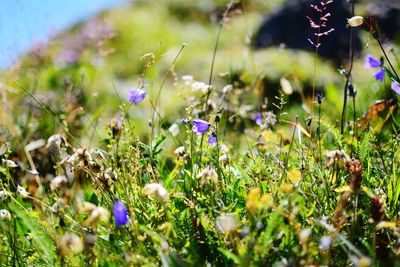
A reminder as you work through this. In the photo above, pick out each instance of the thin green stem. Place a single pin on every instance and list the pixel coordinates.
(348, 73)
(387, 59)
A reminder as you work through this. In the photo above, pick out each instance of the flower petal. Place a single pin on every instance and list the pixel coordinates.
(258, 118)
(212, 139)
(120, 214)
(136, 96)
(379, 75)
(371, 62)
(200, 126)
(395, 87)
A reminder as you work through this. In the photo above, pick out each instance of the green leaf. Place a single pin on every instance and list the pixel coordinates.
(230, 255)
(392, 76)
(42, 240)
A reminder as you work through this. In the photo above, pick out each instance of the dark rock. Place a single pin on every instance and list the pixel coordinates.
(290, 26)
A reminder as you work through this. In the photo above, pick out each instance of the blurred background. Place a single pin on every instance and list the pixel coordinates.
(24, 23)
(74, 54)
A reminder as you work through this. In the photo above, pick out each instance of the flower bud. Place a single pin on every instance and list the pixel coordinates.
(355, 21)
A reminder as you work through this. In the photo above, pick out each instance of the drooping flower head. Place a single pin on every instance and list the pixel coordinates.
(258, 118)
(212, 139)
(372, 63)
(355, 21)
(379, 75)
(136, 95)
(200, 126)
(320, 98)
(395, 87)
(120, 214)
(156, 191)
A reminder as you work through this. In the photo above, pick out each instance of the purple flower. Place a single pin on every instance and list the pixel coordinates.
(371, 62)
(395, 87)
(258, 118)
(212, 139)
(136, 96)
(120, 214)
(379, 75)
(200, 126)
(320, 98)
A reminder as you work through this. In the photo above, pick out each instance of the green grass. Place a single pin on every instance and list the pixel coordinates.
(287, 193)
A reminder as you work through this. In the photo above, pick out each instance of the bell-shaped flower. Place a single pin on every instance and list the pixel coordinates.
(200, 126)
(120, 214)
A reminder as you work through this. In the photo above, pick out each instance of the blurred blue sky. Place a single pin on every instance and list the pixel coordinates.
(26, 22)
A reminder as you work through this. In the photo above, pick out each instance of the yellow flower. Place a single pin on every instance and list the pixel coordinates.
(295, 176)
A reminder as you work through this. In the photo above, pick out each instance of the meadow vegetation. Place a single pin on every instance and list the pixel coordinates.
(149, 136)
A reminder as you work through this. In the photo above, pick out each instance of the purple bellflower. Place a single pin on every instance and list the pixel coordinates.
(120, 213)
(372, 63)
(200, 126)
(136, 95)
(258, 118)
(395, 87)
(212, 139)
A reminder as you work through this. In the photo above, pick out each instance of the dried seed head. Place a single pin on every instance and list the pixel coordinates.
(70, 243)
(377, 209)
(304, 235)
(98, 213)
(226, 223)
(207, 175)
(356, 174)
(156, 190)
(58, 181)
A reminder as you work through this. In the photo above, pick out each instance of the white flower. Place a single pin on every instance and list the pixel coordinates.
(156, 190)
(338, 154)
(180, 151)
(5, 215)
(270, 118)
(224, 149)
(224, 158)
(10, 164)
(54, 140)
(325, 242)
(3, 194)
(304, 235)
(355, 21)
(226, 223)
(70, 243)
(235, 172)
(286, 86)
(21, 191)
(174, 129)
(227, 88)
(58, 181)
(187, 79)
(200, 86)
